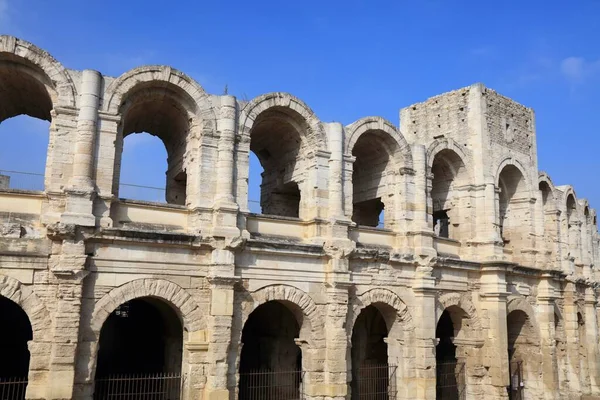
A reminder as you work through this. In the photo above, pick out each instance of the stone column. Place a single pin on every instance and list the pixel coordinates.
(591, 324)
(219, 332)
(335, 133)
(421, 229)
(68, 271)
(225, 213)
(547, 294)
(226, 146)
(425, 324)
(495, 350)
(81, 187)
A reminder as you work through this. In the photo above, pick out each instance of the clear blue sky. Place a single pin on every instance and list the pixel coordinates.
(345, 59)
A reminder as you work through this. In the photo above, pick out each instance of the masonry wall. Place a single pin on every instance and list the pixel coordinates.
(72, 254)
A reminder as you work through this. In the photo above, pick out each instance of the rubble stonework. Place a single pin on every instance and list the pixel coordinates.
(474, 238)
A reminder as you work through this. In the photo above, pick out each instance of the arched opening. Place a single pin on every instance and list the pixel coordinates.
(549, 217)
(16, 332)
(583, 355)
(25, 116)
(271, 361)
(450, 358)
(369, 352)
(276, 141)
(572, 228)
(161, 111)
(373, 179)
(140, 349)
(514, 210)
(524, 356)
(448, 174)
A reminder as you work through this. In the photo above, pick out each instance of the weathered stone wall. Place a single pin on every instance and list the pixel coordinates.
(516, 274)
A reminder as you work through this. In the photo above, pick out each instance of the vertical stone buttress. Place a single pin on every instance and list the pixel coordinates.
(336, 175)
(67, 265)
(495, 351)
(547, 295)
(572, 339)
(222, 283)
(80, 190)
(591, 325)
(425, 324)
(336, 312)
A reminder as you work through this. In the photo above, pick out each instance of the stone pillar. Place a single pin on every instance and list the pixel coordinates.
(336, 174)
(425, 324)
(572, 340)
(495, 350)
(547, 294)
(226, 146)
(225, 213)
(219, 332)
(81, 187)
(336, 365)
(68, 271)
(591, 324)
(419, 203)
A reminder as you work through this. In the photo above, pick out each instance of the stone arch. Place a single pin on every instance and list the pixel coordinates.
(35, 309)
(160, 75)
(315, 134)
(66, 93)
(440, 145)
(517, 303)
(510, 161)
(461, 301)
(363, 125)
(302, 302)
(544, 180)
(384, 296)
(176, 296)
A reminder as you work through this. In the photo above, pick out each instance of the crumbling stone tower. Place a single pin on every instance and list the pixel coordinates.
(414, 261)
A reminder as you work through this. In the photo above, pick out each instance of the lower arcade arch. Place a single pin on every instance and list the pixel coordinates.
(373, 375)
(524, 356)
(270, 360)
(140, 351)
(14, 359)
(450, 379)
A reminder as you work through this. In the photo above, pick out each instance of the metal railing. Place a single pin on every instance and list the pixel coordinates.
(515, 390)
(13, 388)
(451, 381)
(21, 180)
(158, 386)
(144, 193)
(269, 385)
(375, 382)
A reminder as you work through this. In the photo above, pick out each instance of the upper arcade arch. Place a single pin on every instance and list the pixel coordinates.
(286, 137)
(391, 136)
(380, 152)
(169, 105)
(22, 55)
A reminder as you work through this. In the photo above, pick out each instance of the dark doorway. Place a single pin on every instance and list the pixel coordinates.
(14, 360)
(370, 368)
(448, 369)
(270, 362)
(140, 351)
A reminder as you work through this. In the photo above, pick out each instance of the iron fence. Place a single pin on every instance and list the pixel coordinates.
(21, 180)
(159, 386)
(271, 385)
(375, 382)
(451, 381)
(515, 390)
(13, 388)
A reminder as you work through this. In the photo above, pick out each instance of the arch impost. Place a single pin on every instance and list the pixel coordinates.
(224, 281)
(64, 110)
(109, 116)
(477, 343)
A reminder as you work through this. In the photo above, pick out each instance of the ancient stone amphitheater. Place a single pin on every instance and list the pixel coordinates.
(429, 260)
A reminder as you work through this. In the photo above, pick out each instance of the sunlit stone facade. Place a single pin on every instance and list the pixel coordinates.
(480, 263)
